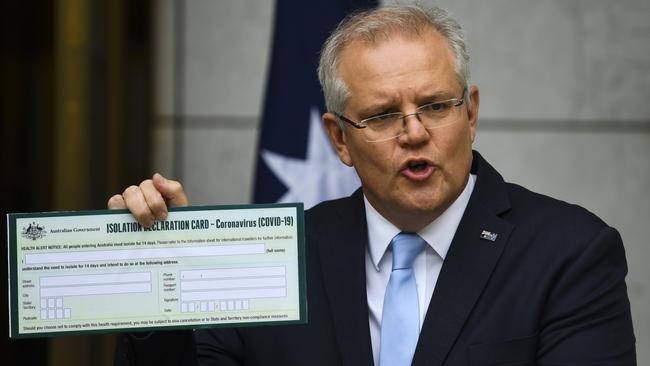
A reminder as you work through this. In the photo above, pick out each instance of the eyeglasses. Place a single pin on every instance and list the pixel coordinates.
(390, 125)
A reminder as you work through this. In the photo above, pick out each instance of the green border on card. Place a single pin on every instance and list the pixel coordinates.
(13, 271)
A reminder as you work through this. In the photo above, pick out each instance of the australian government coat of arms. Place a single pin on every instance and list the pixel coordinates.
(33, 231)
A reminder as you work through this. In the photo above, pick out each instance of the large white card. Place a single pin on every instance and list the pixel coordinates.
(100, 271)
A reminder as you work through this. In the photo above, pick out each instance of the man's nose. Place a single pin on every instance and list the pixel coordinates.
(414, 129)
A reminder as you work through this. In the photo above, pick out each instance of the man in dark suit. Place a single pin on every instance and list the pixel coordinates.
(496, 275)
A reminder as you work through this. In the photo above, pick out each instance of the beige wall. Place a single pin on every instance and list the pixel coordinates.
(564, 89)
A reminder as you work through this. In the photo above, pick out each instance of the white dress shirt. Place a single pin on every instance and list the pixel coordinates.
(379, 259)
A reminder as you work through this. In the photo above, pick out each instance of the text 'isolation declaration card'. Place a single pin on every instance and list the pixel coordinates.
(100, 271)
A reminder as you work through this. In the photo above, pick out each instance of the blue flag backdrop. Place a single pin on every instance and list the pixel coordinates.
(295, 162)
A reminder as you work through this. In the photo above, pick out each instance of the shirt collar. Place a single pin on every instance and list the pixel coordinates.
(438, 234)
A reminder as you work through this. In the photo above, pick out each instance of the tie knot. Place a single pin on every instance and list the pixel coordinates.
(406, 246)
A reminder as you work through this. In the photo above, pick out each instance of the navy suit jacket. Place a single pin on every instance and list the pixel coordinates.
(550, 290)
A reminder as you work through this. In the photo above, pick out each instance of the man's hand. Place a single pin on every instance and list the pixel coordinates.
(148, 201)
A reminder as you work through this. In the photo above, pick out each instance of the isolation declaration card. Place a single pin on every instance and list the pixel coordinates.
(101, 271)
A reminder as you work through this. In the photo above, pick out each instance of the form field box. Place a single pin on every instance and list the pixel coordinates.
(153, 253)
(234, 294)
(233, 283)
(200, 274)
(129, 288)
(95, 279)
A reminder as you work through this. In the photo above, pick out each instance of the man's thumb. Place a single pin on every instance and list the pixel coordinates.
(171, 190)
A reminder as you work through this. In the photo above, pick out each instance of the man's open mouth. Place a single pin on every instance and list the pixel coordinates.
(417, 166)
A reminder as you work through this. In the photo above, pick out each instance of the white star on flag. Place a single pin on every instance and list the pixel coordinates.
(321, 176)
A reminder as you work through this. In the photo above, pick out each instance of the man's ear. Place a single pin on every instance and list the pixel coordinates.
(337, 137)
(472, 112)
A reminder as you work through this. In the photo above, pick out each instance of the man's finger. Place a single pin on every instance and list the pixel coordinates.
(116, 202)
(154, 199)
(138, 206)
(171, 190)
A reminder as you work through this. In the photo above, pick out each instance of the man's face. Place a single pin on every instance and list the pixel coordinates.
(413, 178)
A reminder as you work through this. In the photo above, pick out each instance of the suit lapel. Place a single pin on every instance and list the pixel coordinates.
(342, 253)
(467, 267)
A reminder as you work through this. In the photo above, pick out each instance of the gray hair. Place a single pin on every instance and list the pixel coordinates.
(373, 25)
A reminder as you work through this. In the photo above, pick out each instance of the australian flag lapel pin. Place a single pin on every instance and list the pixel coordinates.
(488, 235)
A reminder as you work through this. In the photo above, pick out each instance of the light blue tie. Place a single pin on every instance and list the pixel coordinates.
(400, 321)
